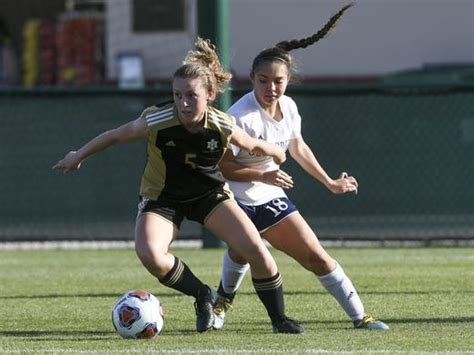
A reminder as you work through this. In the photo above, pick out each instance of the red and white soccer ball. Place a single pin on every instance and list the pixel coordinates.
(137, 314)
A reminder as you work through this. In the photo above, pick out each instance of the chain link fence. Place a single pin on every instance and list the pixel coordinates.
(411, 148)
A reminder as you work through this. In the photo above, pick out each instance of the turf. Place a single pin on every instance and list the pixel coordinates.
(58, 301)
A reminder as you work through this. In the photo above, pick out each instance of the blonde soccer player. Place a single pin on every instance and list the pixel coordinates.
(186, 140)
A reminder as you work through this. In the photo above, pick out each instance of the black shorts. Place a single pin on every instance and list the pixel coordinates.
(196, 210)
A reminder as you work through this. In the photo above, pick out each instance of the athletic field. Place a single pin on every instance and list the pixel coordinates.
(59, 301)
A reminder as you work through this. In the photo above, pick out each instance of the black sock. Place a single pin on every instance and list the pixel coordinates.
(270, 292)
(181, 278)
(229, 296)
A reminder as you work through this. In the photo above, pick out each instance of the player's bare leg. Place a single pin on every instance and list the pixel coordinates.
(294, 237)
(153, 235)
(232, 225)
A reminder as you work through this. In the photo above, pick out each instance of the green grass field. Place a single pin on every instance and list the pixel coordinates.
(58, 301)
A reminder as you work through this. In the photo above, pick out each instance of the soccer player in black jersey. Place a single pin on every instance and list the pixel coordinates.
(186, 140)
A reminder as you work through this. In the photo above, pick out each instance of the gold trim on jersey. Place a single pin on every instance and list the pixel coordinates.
(228, 191)
(153, 179)
(160, 116)
(222, 123)
(155, 174)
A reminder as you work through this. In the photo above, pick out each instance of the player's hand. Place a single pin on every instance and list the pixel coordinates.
(278, 178)
(344, 184)
(69, 163)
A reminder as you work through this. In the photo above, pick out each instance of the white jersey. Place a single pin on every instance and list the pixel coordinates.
(251, 117)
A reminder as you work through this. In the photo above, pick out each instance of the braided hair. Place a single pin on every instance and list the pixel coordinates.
(280, 51)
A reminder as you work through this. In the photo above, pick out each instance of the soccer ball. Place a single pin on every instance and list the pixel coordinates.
(137, 314)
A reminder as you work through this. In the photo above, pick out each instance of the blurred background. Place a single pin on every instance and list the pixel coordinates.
(388, 96)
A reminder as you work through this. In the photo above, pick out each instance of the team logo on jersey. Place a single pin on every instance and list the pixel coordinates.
(170, 144)
(212, 145)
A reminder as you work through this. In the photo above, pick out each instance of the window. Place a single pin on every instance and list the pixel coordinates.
(162, 15)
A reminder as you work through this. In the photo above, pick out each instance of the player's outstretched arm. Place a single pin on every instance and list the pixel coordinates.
(300, 151)
(128, 132)
(243, 140)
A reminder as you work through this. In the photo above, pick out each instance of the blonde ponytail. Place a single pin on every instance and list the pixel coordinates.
(204, 63)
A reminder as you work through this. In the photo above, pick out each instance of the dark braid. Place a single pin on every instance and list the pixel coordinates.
(280, 51)
(305, 42)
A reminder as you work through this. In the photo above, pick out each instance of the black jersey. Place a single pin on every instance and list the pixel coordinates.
(182, 166)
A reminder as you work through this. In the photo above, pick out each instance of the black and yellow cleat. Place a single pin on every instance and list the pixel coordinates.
(369, 322)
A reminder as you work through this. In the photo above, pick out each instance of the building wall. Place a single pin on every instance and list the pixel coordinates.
(162, 51)
(375, 37)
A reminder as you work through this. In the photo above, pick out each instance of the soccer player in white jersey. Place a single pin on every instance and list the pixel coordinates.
(258, 183)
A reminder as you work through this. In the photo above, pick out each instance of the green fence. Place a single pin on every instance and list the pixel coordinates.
(411, 148)
(412, 151)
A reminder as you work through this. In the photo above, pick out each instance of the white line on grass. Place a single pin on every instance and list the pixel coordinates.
(233, 351)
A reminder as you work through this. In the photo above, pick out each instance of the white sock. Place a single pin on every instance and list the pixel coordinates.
(232, 274)
(340, 286)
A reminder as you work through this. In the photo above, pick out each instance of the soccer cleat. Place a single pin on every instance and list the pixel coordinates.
(204, 305)
(223, 305)
(369, 322)
(288, 326)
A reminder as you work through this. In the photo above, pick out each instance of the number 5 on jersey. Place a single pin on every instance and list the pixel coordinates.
(190, 160)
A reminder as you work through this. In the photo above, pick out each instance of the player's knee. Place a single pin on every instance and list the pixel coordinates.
(318, 264)
(152, 259)
(255, 251)
(236, 257)
(261, 259)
